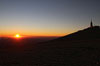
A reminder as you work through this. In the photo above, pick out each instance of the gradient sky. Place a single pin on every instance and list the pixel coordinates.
(47, 17)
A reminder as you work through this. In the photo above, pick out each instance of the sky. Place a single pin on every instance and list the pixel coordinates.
(47, 17)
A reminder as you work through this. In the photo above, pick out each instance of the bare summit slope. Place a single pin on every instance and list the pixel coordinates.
(86, 35)
(81, 48)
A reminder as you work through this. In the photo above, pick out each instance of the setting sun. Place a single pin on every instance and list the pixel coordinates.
(17, 36)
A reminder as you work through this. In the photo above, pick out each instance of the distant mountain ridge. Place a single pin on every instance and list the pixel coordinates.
(91, 34)
(81, 48)
(85, 34)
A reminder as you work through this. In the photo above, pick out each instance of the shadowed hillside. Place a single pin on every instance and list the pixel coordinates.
(86, 34)
(81, 48)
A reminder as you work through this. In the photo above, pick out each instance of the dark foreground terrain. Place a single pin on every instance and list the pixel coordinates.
(81, 48)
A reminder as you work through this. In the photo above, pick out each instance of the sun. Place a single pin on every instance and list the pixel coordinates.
(17, 36)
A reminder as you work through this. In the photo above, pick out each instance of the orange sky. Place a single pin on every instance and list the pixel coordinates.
(32, 34)
(47, 17)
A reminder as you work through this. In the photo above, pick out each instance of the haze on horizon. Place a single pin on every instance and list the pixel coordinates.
(47, 17)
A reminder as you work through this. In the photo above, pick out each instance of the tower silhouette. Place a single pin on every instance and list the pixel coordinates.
(91, 24)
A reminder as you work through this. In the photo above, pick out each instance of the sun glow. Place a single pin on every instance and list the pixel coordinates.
(17, 36)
